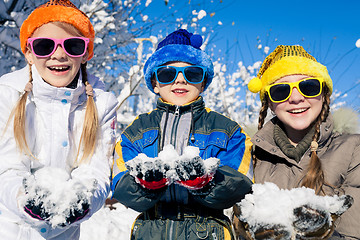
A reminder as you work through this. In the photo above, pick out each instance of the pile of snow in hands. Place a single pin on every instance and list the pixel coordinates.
(58, 193)
(170, 162)
(269, 206)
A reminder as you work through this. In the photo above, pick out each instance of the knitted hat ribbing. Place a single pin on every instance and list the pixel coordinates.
(284, 61)
(57, 11)
(180, 46)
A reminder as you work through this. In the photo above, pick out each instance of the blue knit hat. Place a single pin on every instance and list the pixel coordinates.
(180, 46)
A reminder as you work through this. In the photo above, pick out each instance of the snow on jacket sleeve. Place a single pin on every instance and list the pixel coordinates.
(99, 166)
(125, 189)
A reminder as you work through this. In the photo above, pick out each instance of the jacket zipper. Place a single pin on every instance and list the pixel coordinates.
(173, 142)
(175, 126)
(171, 230)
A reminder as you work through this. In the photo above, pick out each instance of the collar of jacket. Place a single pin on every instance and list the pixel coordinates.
(43, 91)
(264, 138)
(283, 142)
(194, 106)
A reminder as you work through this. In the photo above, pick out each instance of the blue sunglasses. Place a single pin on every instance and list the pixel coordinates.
(167, 74)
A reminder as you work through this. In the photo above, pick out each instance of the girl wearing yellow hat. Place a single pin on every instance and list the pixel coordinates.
(56, 118)
(298, 146)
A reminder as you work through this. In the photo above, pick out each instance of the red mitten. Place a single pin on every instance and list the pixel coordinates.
(150, 173)
(193, 174)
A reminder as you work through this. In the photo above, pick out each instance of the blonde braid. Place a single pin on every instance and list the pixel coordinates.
(19, 114)
(91, 122)
(263, 112)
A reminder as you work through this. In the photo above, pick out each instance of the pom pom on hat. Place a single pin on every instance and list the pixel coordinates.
(196, 41)
(179, 46)
(57, 11)
(255, 85)
(181, 37)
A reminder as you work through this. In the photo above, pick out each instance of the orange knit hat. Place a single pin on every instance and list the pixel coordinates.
(57, 11)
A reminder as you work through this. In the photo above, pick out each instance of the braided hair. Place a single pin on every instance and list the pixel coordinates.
(91, 123)
(314, 175)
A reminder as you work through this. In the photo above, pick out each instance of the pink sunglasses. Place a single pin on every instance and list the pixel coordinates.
(45, 47)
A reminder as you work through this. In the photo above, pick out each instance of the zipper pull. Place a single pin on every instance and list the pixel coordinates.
(177, 111)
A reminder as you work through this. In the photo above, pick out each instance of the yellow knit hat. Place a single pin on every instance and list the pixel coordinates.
(57, 11)
(285, 61)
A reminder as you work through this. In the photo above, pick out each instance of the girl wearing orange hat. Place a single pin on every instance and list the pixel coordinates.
(299, 147)
(54, 115)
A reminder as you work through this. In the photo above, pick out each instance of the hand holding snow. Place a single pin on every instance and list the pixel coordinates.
(293, 211)
(60, 198)
(171, 166)
(148, 172)
(193, 172)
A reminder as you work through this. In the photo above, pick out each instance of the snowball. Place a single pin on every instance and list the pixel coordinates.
(201, 14)
(148, 3)
(145, 17)
(358, 43)
(266, 50)
(211, 165)
(191, 152)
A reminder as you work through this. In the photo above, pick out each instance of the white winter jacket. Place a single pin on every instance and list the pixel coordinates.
(54, 120)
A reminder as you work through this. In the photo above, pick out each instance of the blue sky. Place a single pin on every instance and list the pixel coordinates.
(327, 29)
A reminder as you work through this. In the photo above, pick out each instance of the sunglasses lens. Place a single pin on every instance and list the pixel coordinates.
(75, 46)
(279, 92)
(310, 87)
(194, 74)
(43, 46)
(166, 74)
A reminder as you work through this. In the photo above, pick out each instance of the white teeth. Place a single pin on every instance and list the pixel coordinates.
(59, 68)
(298, 110)
(179, 91)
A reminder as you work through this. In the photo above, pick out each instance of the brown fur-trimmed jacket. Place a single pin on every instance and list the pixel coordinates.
(340, 158)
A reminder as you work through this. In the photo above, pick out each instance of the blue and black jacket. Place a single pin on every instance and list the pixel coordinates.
(195, 125)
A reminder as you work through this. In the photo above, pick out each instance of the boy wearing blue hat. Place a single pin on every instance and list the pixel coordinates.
(181, 200)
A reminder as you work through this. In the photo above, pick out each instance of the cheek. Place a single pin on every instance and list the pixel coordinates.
(273, 106)
(317, 105)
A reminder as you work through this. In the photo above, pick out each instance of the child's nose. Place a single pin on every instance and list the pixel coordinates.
(296, 96)
(59, 52)
(180, 78)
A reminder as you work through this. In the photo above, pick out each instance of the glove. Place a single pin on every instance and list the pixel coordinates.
(34, 205)
(77, 212)
(36, 210)
(313, 223)
(272, 232)
(310, 223)
(192, 173)
(52, 196)
(149, 173)
(241, 229)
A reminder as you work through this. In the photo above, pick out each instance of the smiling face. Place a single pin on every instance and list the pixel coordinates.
(59, 69)
(298, 113)
(179, 92)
